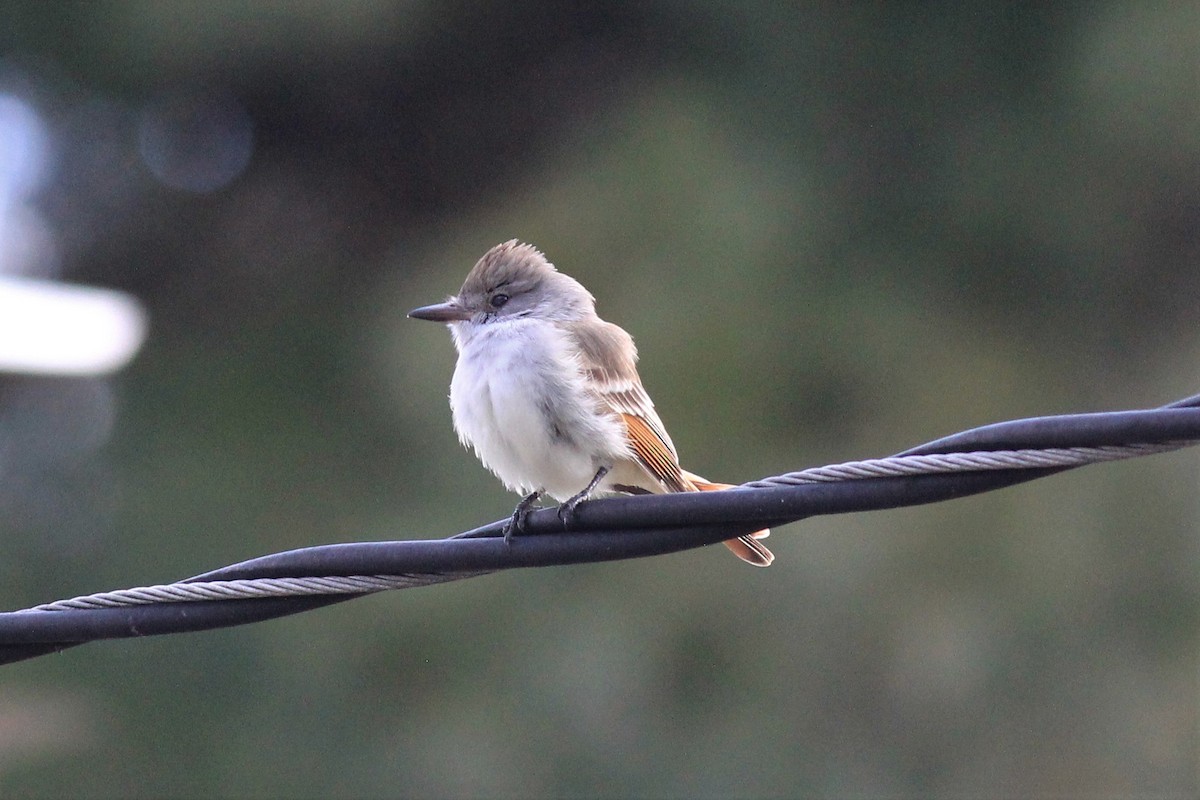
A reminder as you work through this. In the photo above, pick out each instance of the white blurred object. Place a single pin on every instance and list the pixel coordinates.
(49, 328)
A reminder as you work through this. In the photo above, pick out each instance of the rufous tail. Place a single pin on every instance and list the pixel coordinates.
(747, 547)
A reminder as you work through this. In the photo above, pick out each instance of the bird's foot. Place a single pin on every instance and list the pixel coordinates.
(516, 523)
(566, 511)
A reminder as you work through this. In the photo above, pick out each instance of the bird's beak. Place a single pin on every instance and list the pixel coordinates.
(449, 311)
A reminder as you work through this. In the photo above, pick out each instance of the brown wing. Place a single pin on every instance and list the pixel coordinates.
(610, 362)
(655, 454)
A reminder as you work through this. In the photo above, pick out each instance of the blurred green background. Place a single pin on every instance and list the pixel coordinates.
(835, 230)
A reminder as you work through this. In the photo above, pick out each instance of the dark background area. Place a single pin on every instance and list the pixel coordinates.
(835, 230)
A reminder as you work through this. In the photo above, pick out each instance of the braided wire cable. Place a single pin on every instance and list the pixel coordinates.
(251, 588)
(969, 462)
(1028, 458)
(893, 466)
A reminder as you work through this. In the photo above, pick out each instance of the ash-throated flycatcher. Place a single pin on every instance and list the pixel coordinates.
(548, 394)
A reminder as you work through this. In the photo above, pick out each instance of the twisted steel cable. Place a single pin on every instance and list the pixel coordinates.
(973, 461)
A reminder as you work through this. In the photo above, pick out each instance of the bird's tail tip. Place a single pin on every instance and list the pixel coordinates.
(750, 550)
(747, 547)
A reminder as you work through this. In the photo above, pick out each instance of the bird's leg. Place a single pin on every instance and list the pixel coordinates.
(517, 523)
(566, 511)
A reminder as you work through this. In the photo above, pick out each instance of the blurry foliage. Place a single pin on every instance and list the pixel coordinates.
(835, 230)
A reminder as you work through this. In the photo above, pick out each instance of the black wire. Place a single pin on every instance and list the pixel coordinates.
(603, 530)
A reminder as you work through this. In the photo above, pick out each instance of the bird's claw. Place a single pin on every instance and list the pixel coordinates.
(566, 511)
(516, 523)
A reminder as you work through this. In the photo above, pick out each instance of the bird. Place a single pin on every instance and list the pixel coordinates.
(548, 394)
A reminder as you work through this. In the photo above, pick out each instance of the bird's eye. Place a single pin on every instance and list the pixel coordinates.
(498, 300)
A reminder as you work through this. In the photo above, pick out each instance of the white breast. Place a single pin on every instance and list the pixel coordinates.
(520, 400)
